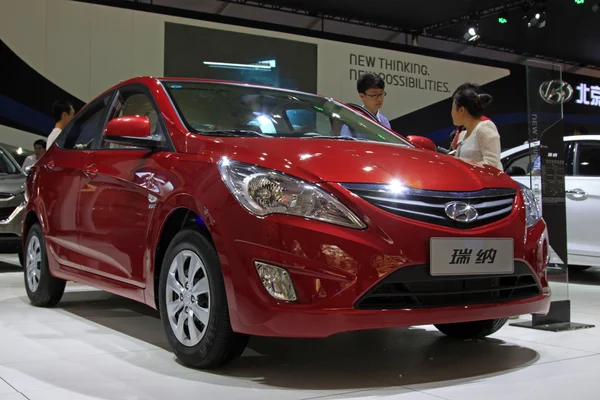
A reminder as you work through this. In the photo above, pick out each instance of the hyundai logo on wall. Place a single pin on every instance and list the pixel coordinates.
(556, 91)
(461, 212)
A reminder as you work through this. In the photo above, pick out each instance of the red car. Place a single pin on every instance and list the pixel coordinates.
(240, 210)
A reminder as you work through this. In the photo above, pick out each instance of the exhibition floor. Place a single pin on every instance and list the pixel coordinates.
(99, 346)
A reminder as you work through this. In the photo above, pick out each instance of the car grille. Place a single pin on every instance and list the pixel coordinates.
(5, 196)
(414, 287)
(6, 212)
(429, 206)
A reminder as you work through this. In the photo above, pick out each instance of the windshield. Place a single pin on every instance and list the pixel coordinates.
(7, 165)
(241, 110)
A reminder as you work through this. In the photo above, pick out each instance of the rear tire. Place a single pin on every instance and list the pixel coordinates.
(42, 288)
(472, 330)
(193, 304)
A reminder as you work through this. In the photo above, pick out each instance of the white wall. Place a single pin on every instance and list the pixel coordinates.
(86, 48)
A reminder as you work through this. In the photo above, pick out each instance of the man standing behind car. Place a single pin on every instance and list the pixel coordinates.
(39, 148)
(63, 112)
(371, 89)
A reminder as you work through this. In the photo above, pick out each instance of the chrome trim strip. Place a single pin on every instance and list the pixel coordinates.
(495, 213)
(383, 188)
(413, 212)
(409, 202)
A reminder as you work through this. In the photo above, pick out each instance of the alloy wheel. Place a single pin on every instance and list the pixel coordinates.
(33, 262)
(188, 298)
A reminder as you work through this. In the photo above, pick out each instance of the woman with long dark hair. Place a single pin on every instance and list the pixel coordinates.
(479, 141)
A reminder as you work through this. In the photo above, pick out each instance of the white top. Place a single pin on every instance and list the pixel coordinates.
(29, 161)
(482, 146)
(52, 137)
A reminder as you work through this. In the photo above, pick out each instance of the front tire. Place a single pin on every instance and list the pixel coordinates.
(43, 290)
(472, 330)
(193, 304)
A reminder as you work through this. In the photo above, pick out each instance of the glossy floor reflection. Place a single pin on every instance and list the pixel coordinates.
(99, 346)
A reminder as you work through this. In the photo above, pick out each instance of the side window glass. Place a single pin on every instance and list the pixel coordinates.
(588, 160)
(133, 103)
(80, 134)
(522, 164)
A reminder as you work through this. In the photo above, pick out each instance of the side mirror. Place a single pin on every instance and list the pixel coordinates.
(422, 143)
(131, 131)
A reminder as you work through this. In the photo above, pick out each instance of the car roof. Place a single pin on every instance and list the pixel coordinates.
(526, 145)
(151, 79)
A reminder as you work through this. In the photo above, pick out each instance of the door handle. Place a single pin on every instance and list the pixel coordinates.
(90, 171)
(577, 193)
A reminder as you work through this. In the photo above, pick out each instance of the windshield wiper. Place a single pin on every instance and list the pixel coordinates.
(232, 133)
(335, 138)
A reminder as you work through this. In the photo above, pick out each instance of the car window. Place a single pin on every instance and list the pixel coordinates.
(519, 164)
(7, 166)
(524, 164)
(588, 159)
(82, 131)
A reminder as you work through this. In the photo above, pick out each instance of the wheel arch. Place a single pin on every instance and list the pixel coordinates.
(179, 213)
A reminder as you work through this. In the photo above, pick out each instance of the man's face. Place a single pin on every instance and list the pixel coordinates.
(68, 117)
(373, 98)
(38, 150)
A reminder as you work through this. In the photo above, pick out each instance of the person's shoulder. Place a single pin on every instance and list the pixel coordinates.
(488, 127)
(383, 119)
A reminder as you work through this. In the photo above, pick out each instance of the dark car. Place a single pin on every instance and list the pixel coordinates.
(12, 203)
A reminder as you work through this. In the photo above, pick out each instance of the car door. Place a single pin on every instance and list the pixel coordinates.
(125, 184)
(583, 204)
(61, 181)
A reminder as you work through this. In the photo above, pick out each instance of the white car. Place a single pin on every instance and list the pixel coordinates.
(582, 185)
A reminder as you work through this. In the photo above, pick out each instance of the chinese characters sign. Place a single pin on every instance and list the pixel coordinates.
(463, 256)
(588, 95)
(471, 256)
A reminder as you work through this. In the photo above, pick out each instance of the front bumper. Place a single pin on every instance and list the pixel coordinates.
(11, 215)
(289, 322)
(334, 268)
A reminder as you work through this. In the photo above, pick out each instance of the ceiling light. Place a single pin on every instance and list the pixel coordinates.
(579, 1)
(538, 20)
(472, 34)
(261, 66)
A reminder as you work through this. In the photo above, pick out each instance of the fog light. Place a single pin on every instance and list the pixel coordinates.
(277, 281)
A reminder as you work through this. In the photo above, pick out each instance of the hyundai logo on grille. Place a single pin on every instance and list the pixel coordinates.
(461, 212)
(556, 91)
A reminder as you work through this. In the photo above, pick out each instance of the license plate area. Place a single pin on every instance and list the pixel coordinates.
(471, 256)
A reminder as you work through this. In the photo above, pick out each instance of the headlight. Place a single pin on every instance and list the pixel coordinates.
(263, 191)
(531, 206)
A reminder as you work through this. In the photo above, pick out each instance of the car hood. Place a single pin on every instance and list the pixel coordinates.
(14, 183)
(342, 161)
